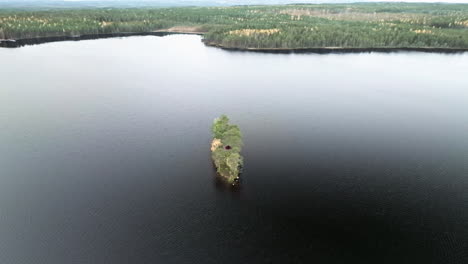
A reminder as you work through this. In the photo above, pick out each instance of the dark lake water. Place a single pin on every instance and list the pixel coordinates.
(349, 158)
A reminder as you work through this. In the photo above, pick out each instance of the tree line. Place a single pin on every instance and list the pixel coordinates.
(286, 26)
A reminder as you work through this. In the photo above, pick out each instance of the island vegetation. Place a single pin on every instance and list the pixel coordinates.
(359, 25)
(225, 149)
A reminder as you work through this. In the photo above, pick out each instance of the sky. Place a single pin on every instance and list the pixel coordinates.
(286, 1)
(426, 1)
(233, 2)
(282, 1)
(225, 2)
(258, 1)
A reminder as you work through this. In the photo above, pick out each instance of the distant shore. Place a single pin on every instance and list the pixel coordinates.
(302, 28)
(15, 43)
(339, 49)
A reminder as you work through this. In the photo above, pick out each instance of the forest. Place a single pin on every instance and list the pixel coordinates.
(359, 25)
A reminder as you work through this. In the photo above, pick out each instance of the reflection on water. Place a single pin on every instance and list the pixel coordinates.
(356, 158)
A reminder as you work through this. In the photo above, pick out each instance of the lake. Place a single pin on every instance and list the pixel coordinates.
(349, 158)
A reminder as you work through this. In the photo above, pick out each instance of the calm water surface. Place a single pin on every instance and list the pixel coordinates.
(350, 158)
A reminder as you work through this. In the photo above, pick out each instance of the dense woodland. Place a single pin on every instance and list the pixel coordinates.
(287, 26)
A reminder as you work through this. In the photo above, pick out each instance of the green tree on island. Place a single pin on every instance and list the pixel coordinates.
(225, 149)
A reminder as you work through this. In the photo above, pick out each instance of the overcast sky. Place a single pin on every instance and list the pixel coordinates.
(266, 1)
(272, 1)
(234, 2)
(425, 1)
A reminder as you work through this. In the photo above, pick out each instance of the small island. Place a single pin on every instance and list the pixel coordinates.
(225, 149)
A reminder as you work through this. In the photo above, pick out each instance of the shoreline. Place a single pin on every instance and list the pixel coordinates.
(16, 43)
(327, 50)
